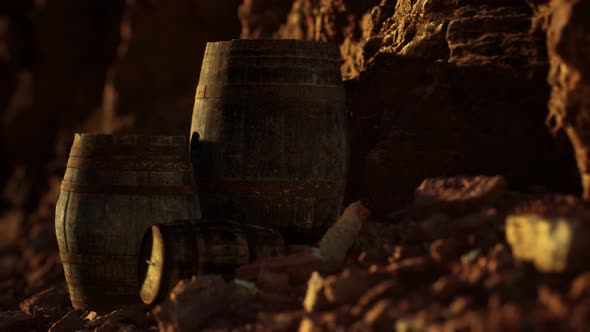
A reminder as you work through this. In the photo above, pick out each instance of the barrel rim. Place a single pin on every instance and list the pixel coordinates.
(150, 295)
(265, 41)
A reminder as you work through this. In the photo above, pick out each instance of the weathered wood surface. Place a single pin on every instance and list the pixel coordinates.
(116, 187)
(176, 251)
(271, 124)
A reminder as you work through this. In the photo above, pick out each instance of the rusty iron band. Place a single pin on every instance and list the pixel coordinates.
(130, 165)
(133, 150)
(127, 190)
(331, 93)
(318, 189)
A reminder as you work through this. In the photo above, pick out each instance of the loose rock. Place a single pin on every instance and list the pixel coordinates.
(340, 237)
(51, 304)
(458, 195)
(550, 235)
(192, 303)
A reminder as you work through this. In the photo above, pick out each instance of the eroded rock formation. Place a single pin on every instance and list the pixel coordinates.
(152, 84)
(437, 88)
(568, 42)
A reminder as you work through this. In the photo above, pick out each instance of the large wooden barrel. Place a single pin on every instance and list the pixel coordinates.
(179, 250)
(114, 188)
(269, 135)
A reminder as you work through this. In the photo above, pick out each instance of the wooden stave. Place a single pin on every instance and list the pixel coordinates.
(107, 288)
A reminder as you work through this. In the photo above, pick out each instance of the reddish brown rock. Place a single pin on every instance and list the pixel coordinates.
(193, 302)
(272, 280)
(298, 266)
(50, 304)
(378, 316)
(152, 86)
(444, 251)
(386, 288)
(338, 239)
(11, 225)
(568, 46)
(349, 286)
(280, 321)
(458, 195)
(580, 287)
(553, 301)
(262, 18)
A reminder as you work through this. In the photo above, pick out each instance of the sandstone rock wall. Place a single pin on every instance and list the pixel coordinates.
(440, 87)
(567, 26)
(57, 53)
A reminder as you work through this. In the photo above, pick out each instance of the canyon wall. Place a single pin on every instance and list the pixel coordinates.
(440, 87)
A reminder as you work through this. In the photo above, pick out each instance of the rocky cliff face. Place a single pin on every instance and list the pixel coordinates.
(152, 84)
(56, 55)
(440, 87)
(568, 41)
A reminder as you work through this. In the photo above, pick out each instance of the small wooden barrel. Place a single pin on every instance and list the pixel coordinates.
(272, 122)
(179, 250)
(114, 188)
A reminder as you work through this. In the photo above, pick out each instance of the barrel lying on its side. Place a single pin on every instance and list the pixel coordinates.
(269, 136)
(179, 250)
(116, 187)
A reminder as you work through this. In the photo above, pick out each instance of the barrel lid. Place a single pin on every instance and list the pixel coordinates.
(151, 265)
(268, 46)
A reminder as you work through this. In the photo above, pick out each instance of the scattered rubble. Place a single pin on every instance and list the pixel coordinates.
(452, 266)
(449, 261)
(11, 223)
(298, 266)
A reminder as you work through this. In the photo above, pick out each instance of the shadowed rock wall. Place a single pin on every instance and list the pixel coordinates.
(62, 62)
(152, 84)
(439, 88)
